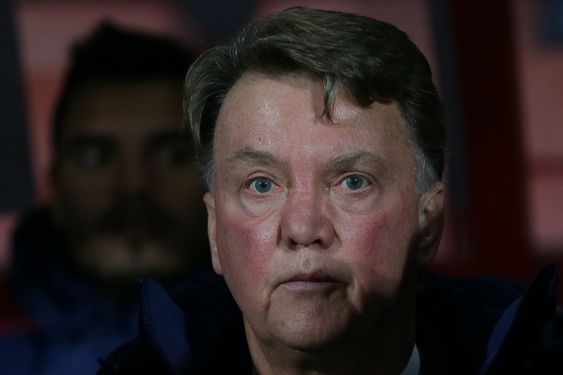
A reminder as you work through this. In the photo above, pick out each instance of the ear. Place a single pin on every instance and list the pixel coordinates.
(431, 222)
(209, 200)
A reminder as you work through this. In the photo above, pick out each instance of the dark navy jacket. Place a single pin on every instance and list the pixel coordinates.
(70, 322)
(478, 325)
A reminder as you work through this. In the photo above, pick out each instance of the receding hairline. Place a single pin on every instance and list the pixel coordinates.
(302, 79)
(386, 65)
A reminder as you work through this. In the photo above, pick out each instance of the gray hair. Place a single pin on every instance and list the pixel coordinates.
(371, 59)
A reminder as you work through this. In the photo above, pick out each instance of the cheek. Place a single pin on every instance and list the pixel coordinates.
(85, 196)
(245, 247)
(86, 181)
(381, 244)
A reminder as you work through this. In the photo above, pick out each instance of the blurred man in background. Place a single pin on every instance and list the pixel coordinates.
(127, 204)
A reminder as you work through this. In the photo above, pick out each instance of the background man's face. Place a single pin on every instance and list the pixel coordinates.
(127, 193)
(311, 222)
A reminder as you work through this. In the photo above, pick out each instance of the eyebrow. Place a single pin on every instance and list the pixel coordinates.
(350, 161)
(87, 139)
(248, 155)
(354, 159)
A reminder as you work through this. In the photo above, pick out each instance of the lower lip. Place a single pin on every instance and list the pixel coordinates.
(310, 285)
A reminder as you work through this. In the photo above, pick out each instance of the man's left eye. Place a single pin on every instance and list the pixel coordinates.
(261, 185)
(355, 182)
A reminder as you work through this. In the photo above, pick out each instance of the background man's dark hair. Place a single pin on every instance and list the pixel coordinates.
(371, 59)
(117, 55)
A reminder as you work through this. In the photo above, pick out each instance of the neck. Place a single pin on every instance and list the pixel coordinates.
(381, 350)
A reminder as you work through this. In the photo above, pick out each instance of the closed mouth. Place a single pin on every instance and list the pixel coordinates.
(313, 280)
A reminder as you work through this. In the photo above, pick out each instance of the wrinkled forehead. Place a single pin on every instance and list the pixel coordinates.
(284, 116)
(257, 96)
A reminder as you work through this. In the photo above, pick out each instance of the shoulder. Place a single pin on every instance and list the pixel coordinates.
(16, 331)
(13, 320)
(481, 323)
(187, 326)
(528, 337)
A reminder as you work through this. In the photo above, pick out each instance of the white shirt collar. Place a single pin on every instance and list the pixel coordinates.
(413, 366)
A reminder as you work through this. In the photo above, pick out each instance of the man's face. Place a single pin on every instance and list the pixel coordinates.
(312, 222)
(127, 193)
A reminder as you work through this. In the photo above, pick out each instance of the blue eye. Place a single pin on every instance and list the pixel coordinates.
(261, 185)
(355, 182)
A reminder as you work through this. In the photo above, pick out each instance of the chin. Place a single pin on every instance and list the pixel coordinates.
(313, 333)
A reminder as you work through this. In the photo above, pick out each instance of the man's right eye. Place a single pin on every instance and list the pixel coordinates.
(92, 157)
(261, 185)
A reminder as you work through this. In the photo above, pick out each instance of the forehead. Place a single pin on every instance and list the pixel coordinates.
(128, 109)
(286, 113)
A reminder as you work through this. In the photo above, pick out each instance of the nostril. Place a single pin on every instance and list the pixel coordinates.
(291, 244)
(315, 238)
(305, 223)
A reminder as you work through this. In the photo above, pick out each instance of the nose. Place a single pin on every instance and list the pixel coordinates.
(132, 174)
(305, 222)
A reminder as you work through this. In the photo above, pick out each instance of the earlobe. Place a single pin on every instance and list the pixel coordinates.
(209, 200)
(431, 222)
